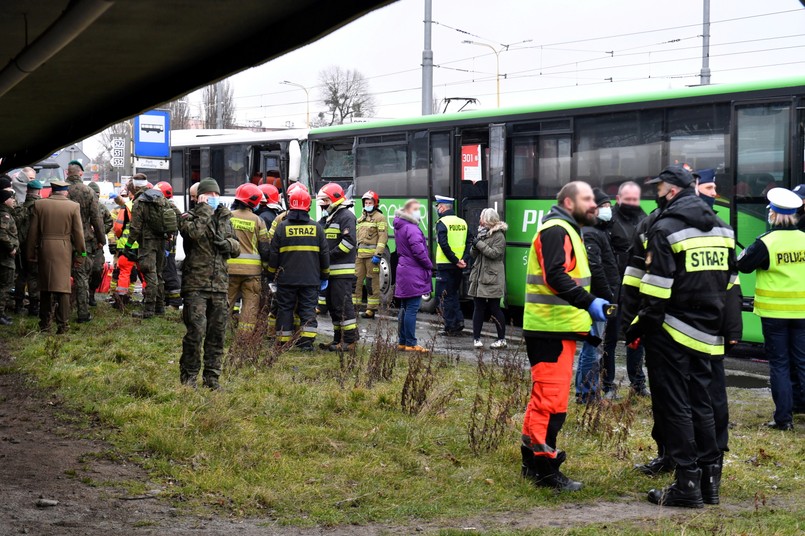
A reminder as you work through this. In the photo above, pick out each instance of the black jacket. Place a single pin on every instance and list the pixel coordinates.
(268, 215)
(340, 231)
(698, 277)
(625, 219)
(635, 270)
(289, 265)
(604, 269)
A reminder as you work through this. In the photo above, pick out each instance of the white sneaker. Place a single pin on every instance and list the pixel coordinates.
(498, 344)
(478, 344)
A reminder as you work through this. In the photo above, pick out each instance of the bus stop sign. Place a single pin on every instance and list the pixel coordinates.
(152, 134)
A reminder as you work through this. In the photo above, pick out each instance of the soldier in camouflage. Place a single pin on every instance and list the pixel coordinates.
(151, 254)
(27, 275)
(94, 237)
(98, 260)
(209, 241)
(9, 247)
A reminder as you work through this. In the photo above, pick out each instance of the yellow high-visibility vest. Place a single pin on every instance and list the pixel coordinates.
(456, 238)
(780, 290)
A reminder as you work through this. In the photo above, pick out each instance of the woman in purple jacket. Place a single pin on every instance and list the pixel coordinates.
(414, 272)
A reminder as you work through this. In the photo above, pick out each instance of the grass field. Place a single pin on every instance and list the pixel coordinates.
(304, 443)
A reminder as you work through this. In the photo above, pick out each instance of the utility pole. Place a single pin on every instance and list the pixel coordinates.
(307, 98)
(219, 106)
(704, 77)
(427, 63)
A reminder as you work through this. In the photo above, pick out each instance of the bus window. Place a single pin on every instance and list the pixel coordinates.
(763, 135)
(177, 172)
(419, 159)
(333, 163)
(441, 165)
(614, 148)
(384, 168)
(228, 167)
(700, 136)
(540, 165)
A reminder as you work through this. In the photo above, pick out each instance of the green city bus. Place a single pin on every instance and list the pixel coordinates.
(517, 159)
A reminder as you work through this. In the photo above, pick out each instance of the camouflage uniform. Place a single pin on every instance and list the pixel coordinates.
(8, 243)
(26, 271)
(94, 238)
(98, 260)
(151, 254)
(209, 241)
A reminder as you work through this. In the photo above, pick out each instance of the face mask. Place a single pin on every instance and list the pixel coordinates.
(711, 201)
(605, 213)
(662, 202)
(370, 208)
(213, 202)
(629, 210)
(416, 215)
(325, 213)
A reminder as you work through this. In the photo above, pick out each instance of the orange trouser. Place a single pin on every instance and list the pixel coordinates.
(125, 267)
(551, 373)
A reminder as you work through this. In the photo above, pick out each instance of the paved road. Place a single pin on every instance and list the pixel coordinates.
(746, 372)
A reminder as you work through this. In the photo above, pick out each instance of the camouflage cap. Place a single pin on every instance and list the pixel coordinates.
(208, 185)
(95, 187)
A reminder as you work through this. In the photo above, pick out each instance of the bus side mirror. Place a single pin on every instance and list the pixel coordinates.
(294, 161)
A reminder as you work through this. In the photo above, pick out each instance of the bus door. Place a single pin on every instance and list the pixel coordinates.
(269, 169)
(762, 158)
(472, 188)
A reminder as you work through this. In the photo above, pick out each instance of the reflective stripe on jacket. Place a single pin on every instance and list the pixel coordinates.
(780, 290)
(251, 234)
(372, 231)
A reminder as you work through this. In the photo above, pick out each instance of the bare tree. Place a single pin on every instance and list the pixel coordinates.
(104, 156)
(345, 94)
(180, 113)
(219, 105)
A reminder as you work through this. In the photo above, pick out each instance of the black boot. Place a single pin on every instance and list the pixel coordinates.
(18, 307)
(33, 307)
(711, 482)
(529, 467)
(686, 490)
(550, 476)
(659, 465)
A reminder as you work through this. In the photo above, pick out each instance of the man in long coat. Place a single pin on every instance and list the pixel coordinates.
(56, 244)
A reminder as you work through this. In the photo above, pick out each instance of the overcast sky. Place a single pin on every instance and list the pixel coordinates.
(574, 48)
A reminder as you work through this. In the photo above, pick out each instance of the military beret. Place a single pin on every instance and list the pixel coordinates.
(75, 163)
(5, 195)
(35, 184)
(208, 185)
(95, 187)
(5, 182)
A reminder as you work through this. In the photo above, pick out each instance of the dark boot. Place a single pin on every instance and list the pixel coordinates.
(686, 490)
(33, 307)
(92, 302)
(5, 321)
(529, 467)
(550, 476)
(18, 307)
(188, 378)
(159, 310)
(211, 383)
(711, 482)
(659, 465)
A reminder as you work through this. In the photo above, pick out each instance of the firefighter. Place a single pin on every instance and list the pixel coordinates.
(559, 311)
(452, 255)
(372, 238)
(170, 274)
(245, 270)
(690, 263)
(270, 206)
(299, 266)
(339, 229)
(778, 256)
(127, 251)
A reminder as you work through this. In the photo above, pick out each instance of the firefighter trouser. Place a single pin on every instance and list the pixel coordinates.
(205, 316)
(81, 285)
(551, 374)
(657, 410)
(126, 274)
(151, 263)
(248, 288)
(682, 388)
(170, 275)
(718, 398)
(291, 299)
(365, 269)
(96, 273)
(339, 303)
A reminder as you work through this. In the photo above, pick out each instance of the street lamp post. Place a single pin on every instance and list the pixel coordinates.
(307, 97)
(497, 53)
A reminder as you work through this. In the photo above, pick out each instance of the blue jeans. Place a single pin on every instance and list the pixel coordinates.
(406, 320)
(785, 349)
(448, 287)
(588, 370)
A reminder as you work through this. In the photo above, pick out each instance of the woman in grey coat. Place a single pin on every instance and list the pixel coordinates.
(488, 276)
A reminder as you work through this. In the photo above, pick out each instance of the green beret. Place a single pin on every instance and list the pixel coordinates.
(95, 187)
(35, 185)
(75, 163)
(208, 185)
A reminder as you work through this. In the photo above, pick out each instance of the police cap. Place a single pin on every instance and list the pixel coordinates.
(783, 201)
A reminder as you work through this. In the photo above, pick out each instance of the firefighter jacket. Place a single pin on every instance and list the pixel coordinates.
(634, 272)
(269, 214)
(209, 242)
(453, 241)
(690, 266)
(251, 234)
(373, 234)
(779, 258)
(122, 227)
(299, 253)
(557, 281)
(339, 229)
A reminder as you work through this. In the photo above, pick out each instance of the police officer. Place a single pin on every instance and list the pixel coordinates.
(244, 271)
(299, 266)
(706, 186)
(93, 235)
(26, 271)
(452, 255)
(9, 248)
(209, 242)
(779, 259)
(339, 229)
(98, 259)
(690, 264)
(558, 312)
(372, 238)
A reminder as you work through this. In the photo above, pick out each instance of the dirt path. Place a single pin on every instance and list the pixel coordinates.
(42, 454)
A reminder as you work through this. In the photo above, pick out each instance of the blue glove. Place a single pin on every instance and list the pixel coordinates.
(375, 259)
(324, 284)
(596, 309)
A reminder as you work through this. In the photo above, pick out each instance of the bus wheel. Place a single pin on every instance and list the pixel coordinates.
(428, 304)
(386, 279)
